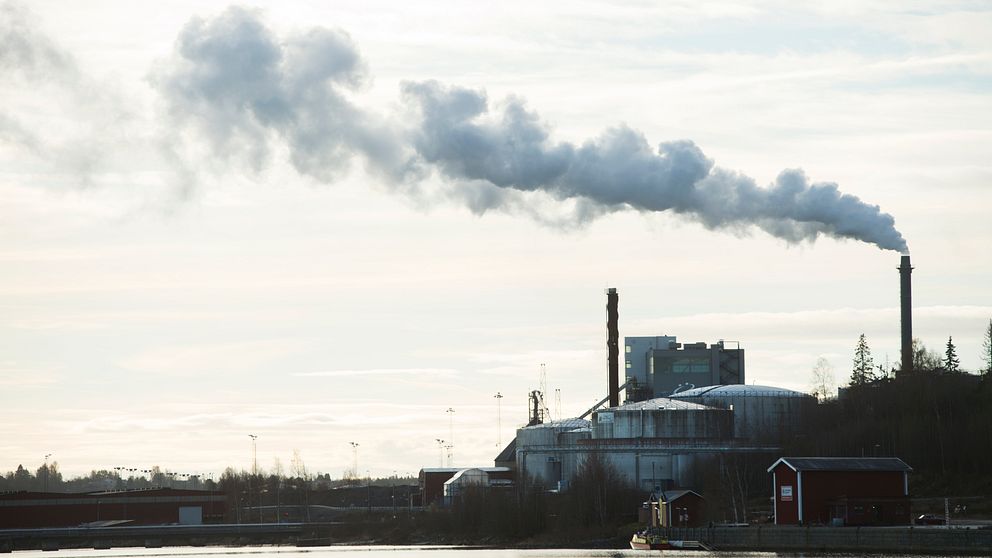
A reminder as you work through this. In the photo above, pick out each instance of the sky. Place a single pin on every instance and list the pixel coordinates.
(326, 223)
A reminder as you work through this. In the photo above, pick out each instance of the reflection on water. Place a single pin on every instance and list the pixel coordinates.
(415, 551)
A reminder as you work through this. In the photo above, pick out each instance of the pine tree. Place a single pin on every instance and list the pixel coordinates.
(951, 362)
(864, 368)
(987, 349)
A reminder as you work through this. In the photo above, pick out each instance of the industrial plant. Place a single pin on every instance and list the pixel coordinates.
(684, 406)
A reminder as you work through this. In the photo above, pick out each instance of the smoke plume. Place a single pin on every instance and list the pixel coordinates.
(239, 86)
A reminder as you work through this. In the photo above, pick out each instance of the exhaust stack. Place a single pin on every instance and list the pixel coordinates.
(613, 347)
(906, 312)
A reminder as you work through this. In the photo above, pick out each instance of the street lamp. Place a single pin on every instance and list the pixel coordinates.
(354, 453)
(254, 471)
(47, 455)
(440, 452)
(451, 435)
(499, 424)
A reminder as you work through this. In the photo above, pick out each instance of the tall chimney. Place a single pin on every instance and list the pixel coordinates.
(612, 344)
(906, 305)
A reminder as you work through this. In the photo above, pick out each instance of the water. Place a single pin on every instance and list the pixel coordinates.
(405, 551)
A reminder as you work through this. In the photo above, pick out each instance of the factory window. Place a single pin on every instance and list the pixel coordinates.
(628, 364)
(682, 365)
(627, 348)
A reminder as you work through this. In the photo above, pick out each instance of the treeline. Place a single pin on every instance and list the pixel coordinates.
(938, 422)
(48, 478)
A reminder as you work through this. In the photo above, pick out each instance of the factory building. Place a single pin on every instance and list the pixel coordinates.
(439, 484)
(660, 366)
(661, 441)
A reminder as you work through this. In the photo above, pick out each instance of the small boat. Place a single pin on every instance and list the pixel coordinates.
(647, 540)
(652, 540)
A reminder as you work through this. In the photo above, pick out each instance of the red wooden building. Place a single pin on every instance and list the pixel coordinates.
(157, 506)
(841, 491)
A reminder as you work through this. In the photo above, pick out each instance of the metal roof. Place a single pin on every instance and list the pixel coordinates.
(570, 423)
(456, 469)
(739, 390)
(658, 404)
(843, 464)
(509, 453)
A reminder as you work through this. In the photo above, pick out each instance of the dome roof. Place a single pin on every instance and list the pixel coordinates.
(659, 404)
(739, 390)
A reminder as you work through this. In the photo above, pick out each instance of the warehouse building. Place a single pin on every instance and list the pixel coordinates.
(841, 491)
(156, 506)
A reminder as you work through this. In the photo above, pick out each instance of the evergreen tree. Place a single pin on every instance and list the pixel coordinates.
(951, 362)
(864, 368)
(987, 349)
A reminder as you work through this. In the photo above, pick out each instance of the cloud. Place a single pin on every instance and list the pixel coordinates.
(382, 372)
(55, 112)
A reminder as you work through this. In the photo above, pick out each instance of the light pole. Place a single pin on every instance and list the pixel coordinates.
(47, 455)
(254, 471)
(451, 436)
(499, 423)
(440, 452)
(354, 454)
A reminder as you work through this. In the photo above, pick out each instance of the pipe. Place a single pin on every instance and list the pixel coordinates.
(613, 347)
(906, 312)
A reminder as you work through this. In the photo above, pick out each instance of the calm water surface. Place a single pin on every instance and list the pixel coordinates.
(400, 552)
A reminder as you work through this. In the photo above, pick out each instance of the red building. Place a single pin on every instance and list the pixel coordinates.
(157, 506)
(841, 491)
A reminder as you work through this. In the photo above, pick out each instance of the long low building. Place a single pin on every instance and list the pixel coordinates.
(157, 506)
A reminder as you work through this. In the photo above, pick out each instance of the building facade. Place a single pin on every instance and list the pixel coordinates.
(660, 366)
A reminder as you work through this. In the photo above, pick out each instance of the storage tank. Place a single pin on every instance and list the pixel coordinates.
(761, 413)
(663, 417)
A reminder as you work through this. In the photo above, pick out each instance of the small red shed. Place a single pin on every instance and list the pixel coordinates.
(841, 491)
(682, 508)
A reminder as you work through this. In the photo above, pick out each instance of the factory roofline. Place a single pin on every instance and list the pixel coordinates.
(456, 469)
(843, 464)
(739, 390)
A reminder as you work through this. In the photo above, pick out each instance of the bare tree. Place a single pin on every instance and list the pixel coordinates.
(822, 380)
(987, 349)
(924, 360)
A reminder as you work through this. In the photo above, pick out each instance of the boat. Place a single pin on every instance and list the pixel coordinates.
(647, 540)
(652, 540)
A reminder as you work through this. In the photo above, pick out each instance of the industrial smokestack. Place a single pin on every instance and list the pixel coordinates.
(612, 344)
(906, 305)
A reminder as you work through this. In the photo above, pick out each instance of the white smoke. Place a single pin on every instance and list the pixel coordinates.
(237, 84)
